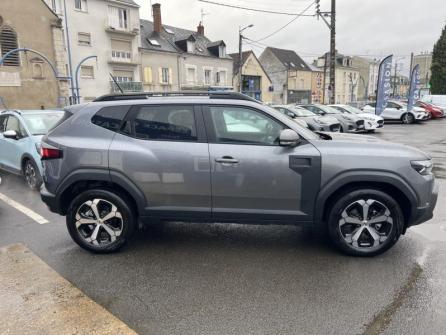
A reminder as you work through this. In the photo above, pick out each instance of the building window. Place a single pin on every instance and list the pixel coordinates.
(220, 78)
(118, 17)
(165, 75)
(87, 72)
(121, 50)
(80, 5)
(8, 42)
(190, 46)
(207, 76)
(123, 76)
(84, 39)
(191, 75)
(148, 75)
(221, 51)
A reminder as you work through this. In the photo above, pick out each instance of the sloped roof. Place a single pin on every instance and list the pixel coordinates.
(314, 68)
(245, 55)
(130, 2)
(170, 35)
(290, 59)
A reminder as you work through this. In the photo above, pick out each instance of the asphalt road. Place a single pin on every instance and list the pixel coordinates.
(182, 278)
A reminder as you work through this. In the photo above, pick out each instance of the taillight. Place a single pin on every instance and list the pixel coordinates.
(50, 153)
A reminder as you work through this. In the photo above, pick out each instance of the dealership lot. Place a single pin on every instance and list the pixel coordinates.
(180, 278)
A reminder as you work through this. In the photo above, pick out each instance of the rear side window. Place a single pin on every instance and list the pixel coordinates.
(110, 117)
(168, 122)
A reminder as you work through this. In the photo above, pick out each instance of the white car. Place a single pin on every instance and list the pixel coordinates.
(398, 111)
(371, 121)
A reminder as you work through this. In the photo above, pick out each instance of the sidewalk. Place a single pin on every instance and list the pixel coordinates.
(34, 299)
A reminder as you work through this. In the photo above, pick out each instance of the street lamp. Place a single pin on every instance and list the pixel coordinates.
(240, 38)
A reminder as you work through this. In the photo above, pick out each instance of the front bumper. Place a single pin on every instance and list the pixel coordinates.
(423, 214)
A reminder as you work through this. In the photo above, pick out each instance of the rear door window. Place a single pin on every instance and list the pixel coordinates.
(167, 122)
(3, 119)
(110, 118)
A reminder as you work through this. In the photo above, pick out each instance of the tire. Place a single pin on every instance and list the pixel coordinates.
(32, 175)
(341, 130)
(371, 131)
(355, 236)
(121, 224)
(407, 118)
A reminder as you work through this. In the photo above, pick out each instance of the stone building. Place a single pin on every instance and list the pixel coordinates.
(425, 61)
(255, 81)
(26, 79)
(290, 75)
(174, 59)
(368, 76)
(317, 84)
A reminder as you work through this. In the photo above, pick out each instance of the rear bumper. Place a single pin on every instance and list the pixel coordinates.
(423, 214)
(50, 200)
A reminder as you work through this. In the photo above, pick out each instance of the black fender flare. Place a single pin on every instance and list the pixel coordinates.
(27, 156)
(357, 176)
(104, 175)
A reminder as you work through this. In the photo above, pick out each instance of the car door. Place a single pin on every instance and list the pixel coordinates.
(164, 151)
(253, 178)
(13, 149)
(392, 111)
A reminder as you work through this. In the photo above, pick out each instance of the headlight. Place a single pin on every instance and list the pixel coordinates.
(423, 167)
(318, 120)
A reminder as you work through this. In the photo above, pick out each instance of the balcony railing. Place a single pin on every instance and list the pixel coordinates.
(111, 26)
(126, 86)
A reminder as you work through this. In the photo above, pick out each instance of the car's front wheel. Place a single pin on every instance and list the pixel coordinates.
(100, 221)
(365, 222)
(32, 175)
(407, 118)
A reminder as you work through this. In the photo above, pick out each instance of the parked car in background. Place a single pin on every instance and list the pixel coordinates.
(435, 111)
(313, 121)
(436, 100)
(371, 121)
(349, 122)
(398, 111)
(20, 136)
(176, 158)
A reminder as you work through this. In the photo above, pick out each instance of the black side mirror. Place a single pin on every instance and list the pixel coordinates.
(11, 134)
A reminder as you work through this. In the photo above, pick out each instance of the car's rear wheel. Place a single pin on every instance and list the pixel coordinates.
(407, 118)
(100, 221)
(32, 175)
(365, 222)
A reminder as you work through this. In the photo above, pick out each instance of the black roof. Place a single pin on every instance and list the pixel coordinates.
(290, 59)
(147, 95)
(170, 37)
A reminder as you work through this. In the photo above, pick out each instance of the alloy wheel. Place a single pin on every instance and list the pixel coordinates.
(30, 175)
(365, 224)
(98, 222)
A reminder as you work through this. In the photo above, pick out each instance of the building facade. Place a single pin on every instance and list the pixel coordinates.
(174, 59)
(109, 30)
(347, 78)
(368, 77)
(290, 75)
(317, 84)
(27, 81)
(425, 61)
(255, 80)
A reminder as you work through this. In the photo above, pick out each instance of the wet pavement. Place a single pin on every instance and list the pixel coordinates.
(182, 278)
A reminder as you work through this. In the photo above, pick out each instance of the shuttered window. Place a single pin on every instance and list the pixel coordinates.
(8, 42)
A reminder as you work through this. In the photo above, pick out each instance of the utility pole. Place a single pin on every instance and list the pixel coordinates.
(240, 64)
(332, 27)
(333, 51)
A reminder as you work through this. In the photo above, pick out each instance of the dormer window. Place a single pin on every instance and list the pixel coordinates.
(190, 46)
(222, 51)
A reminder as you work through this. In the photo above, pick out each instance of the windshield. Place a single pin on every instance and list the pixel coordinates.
(300, 111)
(40, 124)
(328, 110)
(352, 109)
(305, 132)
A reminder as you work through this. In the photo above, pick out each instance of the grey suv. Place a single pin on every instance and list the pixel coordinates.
(222, 157)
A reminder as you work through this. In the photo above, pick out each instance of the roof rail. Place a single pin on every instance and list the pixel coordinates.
(148, 95)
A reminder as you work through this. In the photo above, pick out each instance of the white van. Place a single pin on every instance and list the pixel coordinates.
(437, 100)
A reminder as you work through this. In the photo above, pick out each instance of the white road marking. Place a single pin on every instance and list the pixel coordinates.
(25, 210)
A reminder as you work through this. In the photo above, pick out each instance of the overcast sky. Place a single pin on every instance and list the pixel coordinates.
(364, 27)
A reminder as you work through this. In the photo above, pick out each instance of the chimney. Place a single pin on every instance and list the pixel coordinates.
(157, 24)
(200, 29)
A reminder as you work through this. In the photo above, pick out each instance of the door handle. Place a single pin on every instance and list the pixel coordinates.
(227, 160)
